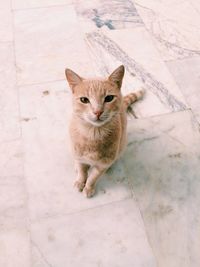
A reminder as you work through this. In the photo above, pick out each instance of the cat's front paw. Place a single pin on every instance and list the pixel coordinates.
(79, 185)
(89, 191)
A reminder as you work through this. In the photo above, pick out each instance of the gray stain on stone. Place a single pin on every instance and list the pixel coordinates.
(100, 22)
(143, 140)
(156, 87)
(161, 211)
(114, 14)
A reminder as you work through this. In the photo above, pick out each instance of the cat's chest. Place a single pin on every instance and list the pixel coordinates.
(103, 149)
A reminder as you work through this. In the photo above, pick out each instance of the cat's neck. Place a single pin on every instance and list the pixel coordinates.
(94, 132)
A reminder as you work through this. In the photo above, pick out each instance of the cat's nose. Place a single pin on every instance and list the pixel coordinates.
(98, 113)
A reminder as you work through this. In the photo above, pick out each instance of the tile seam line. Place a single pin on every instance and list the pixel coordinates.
(7, 41)
(27, 225)
(182, 59)
(42, 82)
(146, 232)
(34, 221)
(164, 114)
(33, 243)
(11, 176)
(7, 141)
(15, 227)
(15, 64)
(179, 87)
(41, 7)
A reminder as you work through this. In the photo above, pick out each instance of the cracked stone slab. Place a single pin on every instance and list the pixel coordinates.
(163, 163)
(21, 4)
(173, 25)
(144, 68)
(116, 232)
(6, 31)
(46, 45)
(186, 74)
(9, 105)
(11, 159)
(15, 248)
(110, 15)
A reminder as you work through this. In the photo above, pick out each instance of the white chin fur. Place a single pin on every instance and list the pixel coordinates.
(95, 123)
(98, 123)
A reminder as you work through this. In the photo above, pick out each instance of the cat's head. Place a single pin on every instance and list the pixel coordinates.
(96, 101)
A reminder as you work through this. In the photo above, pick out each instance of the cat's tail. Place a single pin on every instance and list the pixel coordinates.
(131, 98)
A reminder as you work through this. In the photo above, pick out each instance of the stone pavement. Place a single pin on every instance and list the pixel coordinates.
(146, 210)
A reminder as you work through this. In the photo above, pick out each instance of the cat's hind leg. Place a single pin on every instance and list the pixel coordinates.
(82, 174)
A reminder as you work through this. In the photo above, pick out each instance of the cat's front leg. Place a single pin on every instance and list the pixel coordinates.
(82, 173)
(95, 173)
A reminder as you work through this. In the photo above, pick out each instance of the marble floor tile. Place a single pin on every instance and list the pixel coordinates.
(163, 162)
(6, 31)
(92, 238)
(110, 15)
(46, 45)
(37, 258)
(186, 74)
(144, 68)
(20, 4)
(11, 158)
(13, 203)
(48, 163)
(15, 248)
(196, 5)
(174, 26)
(9, 106)
(146, 209)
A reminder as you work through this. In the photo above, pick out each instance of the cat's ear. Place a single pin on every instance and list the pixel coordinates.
(117, 76)
(72, 78)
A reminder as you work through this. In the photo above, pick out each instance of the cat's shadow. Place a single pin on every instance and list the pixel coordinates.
(114, 181)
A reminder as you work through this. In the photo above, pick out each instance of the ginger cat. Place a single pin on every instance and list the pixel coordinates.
(98, 125)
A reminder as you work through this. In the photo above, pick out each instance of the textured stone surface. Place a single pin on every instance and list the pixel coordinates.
(146, 210)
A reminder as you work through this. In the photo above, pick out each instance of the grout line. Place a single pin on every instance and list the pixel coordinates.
(15, 66)
(147, 234)
(144, 225)
(42, 82)
(182, 59)
(179, 87)
(79, 211)
(41, 7)
(164, 114)
(10, 140)
(25, 187)
(33, 243)
(5, 42)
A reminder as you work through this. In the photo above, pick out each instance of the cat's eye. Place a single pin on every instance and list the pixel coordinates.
(109, 98)
(84, 100)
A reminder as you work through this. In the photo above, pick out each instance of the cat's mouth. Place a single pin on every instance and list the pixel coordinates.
(98, 121)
